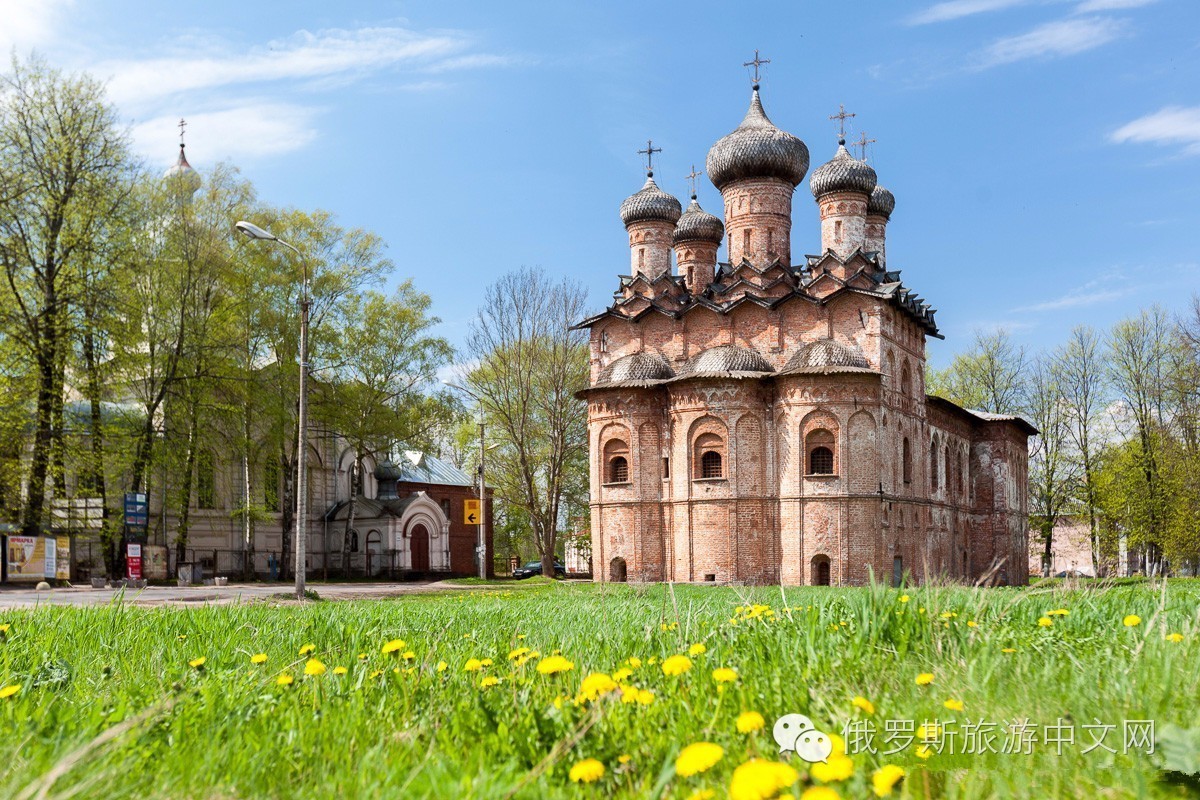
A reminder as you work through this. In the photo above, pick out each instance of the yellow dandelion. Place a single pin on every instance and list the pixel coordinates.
(676, 665)
(308, 648)
(362, 656)
(1045, 622)
(520, 636)
(375, 674)
(624, 758)
(442, 666)
(750, 721)
(1058, 612)
(724, 675)
(645, 697)
(759, 779)
(487, 662)
(924, 679)
(863, 703)
(5, 628)
(703, 794)
(197, 663)
(597, 684)
(513, 655)
(954, 705)
(972, 623)
(473, 665)
(904, 598)
(929, 732)
(698, 649)
(409, 655)
(634, 662)
(1132, 621)
(394, 646)
(622, 675)
(1174, 637)
(924, 751)
(258, 658)
(488, 681)
(884, 779)
(587, 771)
(1008, 649)
(314, 668)
(837, 767)
(697, 758)
(9, 691)
(340, 670)
(551, 665)
(284, 680)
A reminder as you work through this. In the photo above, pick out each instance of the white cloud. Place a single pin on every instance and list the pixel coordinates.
(1062, 38)
(1078, 299)
(1090, 6)
(28, 24)
(1169, 125)
(956, 9)
(303, 56)
(248, 130)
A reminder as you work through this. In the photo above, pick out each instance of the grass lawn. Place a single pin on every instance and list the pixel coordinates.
(108, 705)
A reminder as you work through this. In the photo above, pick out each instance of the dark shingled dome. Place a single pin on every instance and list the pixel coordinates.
(650, 203)
(636, 367)
(727, 358)
(757, 149)
(388, 471)
(844, 173)
(882, 202)
(825, 354)
(698, 224)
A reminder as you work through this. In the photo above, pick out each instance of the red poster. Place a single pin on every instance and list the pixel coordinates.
(133, 561)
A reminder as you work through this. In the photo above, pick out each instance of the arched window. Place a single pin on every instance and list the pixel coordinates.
(933, 466)
(618, 470)
(906, 461)
(709, 456)
(949, 466)
(616, 461)
(820, 452)
(353, 541)
(962, 476)
(820, 575)
(905, 379)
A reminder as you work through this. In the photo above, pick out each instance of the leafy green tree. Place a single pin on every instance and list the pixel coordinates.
(990, 376)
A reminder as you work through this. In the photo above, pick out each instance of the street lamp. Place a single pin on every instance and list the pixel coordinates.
(481, 545)
(255, 232)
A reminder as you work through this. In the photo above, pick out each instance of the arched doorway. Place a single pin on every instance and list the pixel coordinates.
(374, 553)
(616, 570)
(418, 548)
(820, 571)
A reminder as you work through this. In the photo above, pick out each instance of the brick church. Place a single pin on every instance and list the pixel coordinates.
(759, 420)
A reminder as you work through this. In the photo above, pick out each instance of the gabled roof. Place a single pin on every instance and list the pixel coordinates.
(416, 467)
(977, 417)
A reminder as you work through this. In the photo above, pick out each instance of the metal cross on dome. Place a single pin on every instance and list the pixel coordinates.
(841, 117)
(649, 154)
(756, 63)
(691, 176)
(862, 145)
(182, 127)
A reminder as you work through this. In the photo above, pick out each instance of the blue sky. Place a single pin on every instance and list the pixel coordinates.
(1045, 154)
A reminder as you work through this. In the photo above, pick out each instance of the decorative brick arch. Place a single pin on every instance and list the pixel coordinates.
(707, 436)
(614, 443)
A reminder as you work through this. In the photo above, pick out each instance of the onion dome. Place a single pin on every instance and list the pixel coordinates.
(182, 174)
(726, 358)
(757, 149)
(388, 471)
(698, 224)
(826, 355)
(650, 203)
(637, 368)
(882, 202)
(844, 173)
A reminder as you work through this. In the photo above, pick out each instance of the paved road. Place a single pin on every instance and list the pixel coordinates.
(213, 595)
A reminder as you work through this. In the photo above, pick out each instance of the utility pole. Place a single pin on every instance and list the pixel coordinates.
(482, 546)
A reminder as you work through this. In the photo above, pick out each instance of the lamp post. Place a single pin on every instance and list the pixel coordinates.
(255, 232)
(481, 544)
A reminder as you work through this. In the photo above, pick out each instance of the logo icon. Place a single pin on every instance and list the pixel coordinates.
(796, 733)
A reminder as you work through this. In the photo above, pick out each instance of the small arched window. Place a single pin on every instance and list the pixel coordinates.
(906, 460)
(710, 464)
(618, 470)
(905, 379)
(709, 456)
(962, 476)
(949, 466)
(820, 452)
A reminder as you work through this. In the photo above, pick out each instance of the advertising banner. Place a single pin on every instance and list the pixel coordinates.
(154, 562)
(26, 558)
(62, 568)
(133, 561)
(50, 562)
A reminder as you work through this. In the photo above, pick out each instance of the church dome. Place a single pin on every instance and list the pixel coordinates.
(882, 202)
(757, 149)
(650, 203)
(636, 367)
(726, 358)
(181, 174)
(698, 224)
(388, 471)
(826, 355)
(844, 173)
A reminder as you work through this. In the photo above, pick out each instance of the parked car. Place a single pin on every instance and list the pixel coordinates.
(535, 568)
